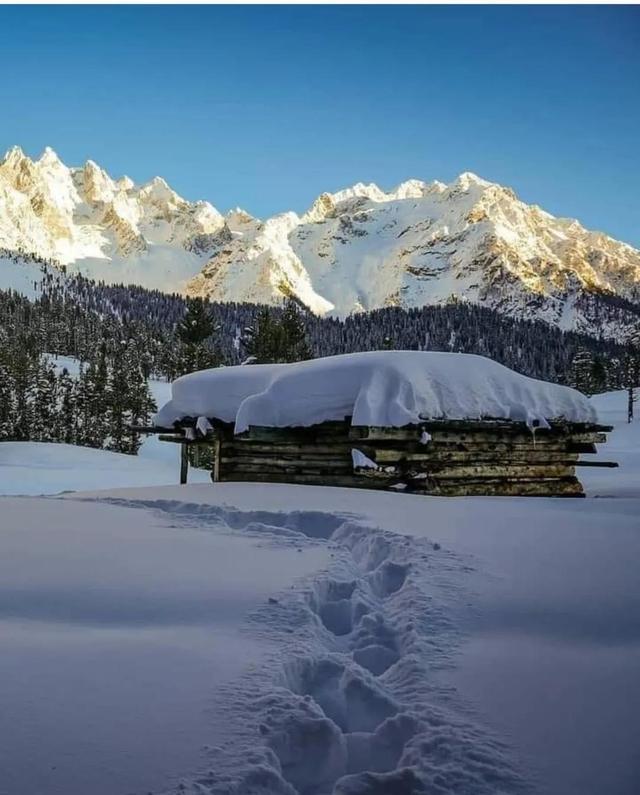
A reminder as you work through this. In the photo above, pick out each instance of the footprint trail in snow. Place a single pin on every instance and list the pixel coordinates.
(349, 703)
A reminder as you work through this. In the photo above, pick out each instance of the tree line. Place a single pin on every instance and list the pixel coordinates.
(126, 335)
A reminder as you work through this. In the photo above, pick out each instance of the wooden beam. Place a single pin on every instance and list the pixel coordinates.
(154, 429)
(608, 464)
(184, 463)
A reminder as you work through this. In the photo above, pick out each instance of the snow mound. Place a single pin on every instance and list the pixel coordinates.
(380, 388)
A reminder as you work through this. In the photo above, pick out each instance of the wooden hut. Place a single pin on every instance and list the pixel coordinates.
(438, 457)
(428, 423)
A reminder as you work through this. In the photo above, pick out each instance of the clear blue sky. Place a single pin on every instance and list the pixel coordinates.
(265, 107)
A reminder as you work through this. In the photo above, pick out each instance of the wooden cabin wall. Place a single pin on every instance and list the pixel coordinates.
(459, 458)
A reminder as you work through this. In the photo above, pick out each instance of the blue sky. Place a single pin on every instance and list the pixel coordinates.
(265, 107)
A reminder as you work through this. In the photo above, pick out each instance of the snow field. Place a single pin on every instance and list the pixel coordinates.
(348, 704)
(120, 631)
(36, 468)
(428, 629)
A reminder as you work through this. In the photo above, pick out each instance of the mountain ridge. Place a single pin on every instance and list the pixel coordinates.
(357, 249)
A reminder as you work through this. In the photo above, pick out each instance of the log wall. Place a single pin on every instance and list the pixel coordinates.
(448, 458)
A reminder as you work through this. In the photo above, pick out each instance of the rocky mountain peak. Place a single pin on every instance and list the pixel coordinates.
(356, 249)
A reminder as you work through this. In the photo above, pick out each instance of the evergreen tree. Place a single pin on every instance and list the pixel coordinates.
(194, 333)
(259, 340)
(277, 339)
(581, 374)
(139, 403)
(7, 403)
(295, 347)
(45, 402)
(67, 426)
(599, 374)
(117, 404)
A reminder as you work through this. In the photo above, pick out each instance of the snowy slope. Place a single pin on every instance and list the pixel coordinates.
(358, 249)
(21, 274)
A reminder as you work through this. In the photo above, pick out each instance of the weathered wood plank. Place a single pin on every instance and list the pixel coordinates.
(371, 433)
(608, 464)
(215, 472)
(581, 447)
(451, 456)
(498, 471)
(325, 430)
(300, 463)
(307, 479)
(319, 448)
(555, 488)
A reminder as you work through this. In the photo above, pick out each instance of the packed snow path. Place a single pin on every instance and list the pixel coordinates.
(348, 701)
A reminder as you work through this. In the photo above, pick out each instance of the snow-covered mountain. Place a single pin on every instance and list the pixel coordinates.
(423, 243)
(109, 229)
(355, 250)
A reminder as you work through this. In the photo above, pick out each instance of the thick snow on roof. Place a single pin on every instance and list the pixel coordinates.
(384, 388)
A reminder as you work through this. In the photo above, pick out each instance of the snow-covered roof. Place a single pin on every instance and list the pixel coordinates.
(383, 388)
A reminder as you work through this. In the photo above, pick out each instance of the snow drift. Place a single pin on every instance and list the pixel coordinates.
(382, 388)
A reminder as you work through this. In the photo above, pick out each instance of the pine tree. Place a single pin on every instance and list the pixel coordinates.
(259, 340)
(67, 426)
(7, 403)
(193, 333)
(277, 339)
(139, 403)
(580, 376)
(293, 334)
(117, 403)
(45, 403)
(599, 374)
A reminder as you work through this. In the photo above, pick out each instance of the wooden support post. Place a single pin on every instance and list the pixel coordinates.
(184, 463)
(216, 461)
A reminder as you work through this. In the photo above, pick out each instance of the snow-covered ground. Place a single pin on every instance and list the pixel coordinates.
(118, 633)
(271, 640)
(32, 468)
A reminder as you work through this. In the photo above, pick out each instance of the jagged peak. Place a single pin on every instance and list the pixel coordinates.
(13, 155)
(467, 179)
(157, 189)
(91, 165)
(239, 215)
(287, 220)
(360, 190)
(410, 189)
(49, 157)
(322, 208)
(436, 186)
(125, 183)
